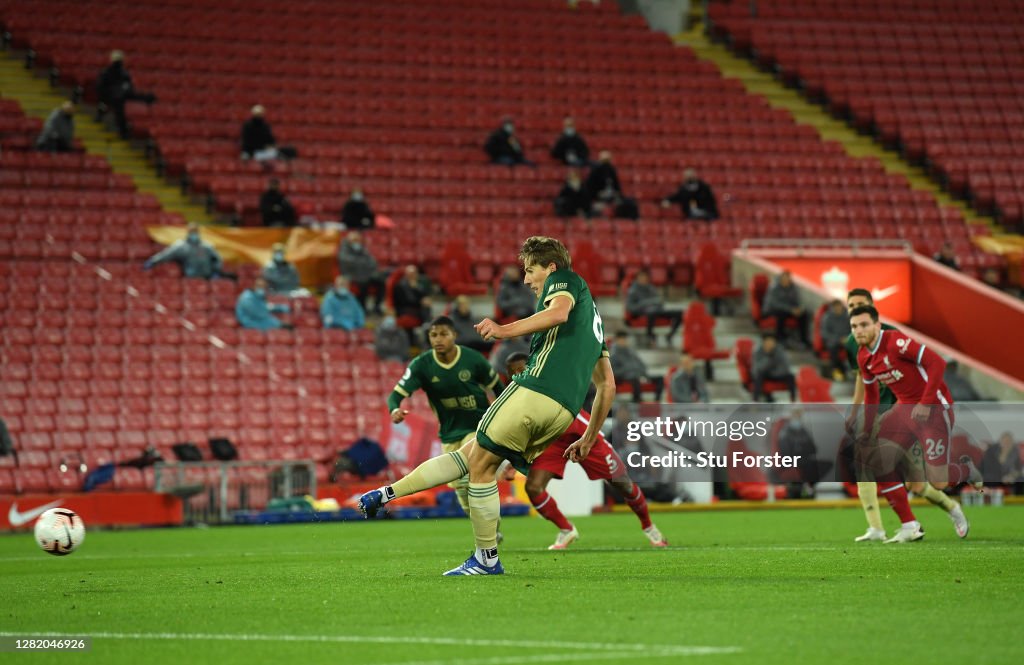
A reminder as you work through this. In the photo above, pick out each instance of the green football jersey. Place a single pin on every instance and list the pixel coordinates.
(455, 390)
(562, 358)
(885, 397)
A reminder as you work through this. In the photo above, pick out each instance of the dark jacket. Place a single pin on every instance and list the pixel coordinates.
(699, 194)
(407, 298)
(114, 83)
(775, 363)
(571, 202)
(276, 209)
(256, 135)
(687, 387)
(357, 215)
(602, 177)
(571, 150)
(502, 144)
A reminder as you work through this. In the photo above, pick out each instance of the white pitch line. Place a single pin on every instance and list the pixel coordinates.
(569, 657)
(595, 647)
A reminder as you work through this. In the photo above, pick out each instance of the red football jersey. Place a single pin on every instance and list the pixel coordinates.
(908, 368)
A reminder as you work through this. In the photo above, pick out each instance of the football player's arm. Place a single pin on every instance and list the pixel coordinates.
(935, 369)
(604, 381)
(405, 387)
(555, 314)
(488, 378)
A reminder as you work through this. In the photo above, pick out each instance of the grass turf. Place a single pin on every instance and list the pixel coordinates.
(757, 587)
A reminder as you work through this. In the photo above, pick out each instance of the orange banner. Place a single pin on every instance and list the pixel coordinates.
(314, 252)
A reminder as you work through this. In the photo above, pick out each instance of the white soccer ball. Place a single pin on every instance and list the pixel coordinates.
(59, 531)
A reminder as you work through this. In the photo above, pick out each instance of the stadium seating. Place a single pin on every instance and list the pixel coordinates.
(426, 84)
(744, 353)
(956, 106)
(699, 337)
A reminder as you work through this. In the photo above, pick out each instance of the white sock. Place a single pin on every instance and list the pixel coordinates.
(387, 493)
(909, 526)
(487, 557)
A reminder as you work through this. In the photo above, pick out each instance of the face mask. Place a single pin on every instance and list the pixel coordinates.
(357, 246)
(193, 238)
(357, 196)
(278, 257)
(570, 131)
(340, 292)
(260, 292)
(509, 127)
(388, 322)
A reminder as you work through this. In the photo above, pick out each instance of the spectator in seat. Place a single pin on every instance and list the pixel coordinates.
(603, 189)
(1001, 464)
(253, 311)
(503, 145)
(411, 295)
(58, 133)
(835, 328)
(340, 309)
(643, 299)
(356, 213)
(688, 385)
(275, 208)
(695, 198)
(570, 148)
(465, 333)
(506, 348)
(782, 300)
(357, 265)
(115, 88)
(992, 277)
(514, 298)
(198, 259)
(960, 388)
(947, 256)
(795, 440)
(282, 277)
(389, 341)
(770, 363)
(572, 199)
(257, 138)
(629, 367)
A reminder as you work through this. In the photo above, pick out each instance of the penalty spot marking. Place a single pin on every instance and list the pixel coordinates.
(596, 650)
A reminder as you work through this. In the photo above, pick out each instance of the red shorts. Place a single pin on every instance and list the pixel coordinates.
(603, 463)
(934, 434)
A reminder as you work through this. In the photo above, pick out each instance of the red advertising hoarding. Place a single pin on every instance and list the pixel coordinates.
(95, 509)
(889, 280)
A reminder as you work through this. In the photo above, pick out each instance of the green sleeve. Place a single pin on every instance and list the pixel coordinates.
(406, 386)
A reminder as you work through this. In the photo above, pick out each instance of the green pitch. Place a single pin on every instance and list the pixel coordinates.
(742, 587)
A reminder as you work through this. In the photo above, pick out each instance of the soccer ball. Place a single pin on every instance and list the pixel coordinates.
(59, 531)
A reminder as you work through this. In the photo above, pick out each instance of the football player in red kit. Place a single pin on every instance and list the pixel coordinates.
(603, 463)
(923, 413)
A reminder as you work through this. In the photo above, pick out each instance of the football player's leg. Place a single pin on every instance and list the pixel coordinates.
(545, 504)
(436, 471)
(461, 486)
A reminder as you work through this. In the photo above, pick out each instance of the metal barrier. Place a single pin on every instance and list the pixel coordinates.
(211, 491)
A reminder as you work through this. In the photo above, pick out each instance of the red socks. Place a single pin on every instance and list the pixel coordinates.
(548, 509)
(638, 503)
(896, 495)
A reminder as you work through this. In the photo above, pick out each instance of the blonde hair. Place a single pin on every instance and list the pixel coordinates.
(543, 251)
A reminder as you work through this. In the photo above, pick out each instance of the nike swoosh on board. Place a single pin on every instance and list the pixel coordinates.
(18, 518)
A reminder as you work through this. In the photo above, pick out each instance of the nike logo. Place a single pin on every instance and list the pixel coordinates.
(881, 294)
(18, 518)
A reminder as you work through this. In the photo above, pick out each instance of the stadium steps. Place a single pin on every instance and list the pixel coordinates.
(804, 112)
(38, 99)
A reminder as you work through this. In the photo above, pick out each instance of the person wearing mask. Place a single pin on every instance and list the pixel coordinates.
(282, 277)
(198, 259)
(570, 148)
(359, 267)
(357, 213)
(275, 208)
(58, 133)
(340, 309)
(770, 363)
(503, 145)
(465, 333)
(695, 198)
(389, 341)
(643, 299)
(835, 328)
(253, 311)
(782, 300)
